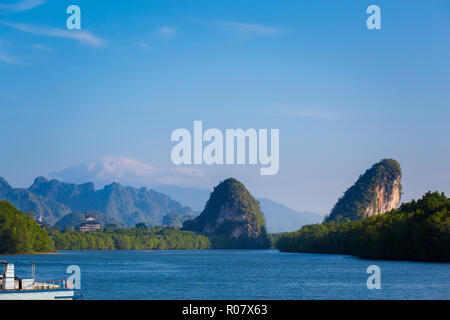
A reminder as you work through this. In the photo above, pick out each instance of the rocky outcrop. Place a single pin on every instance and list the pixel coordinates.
(279, 218)
(233, 212)
(385, 199)
(377, 191)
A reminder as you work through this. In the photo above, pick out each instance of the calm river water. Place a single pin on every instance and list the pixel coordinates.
(237, 274)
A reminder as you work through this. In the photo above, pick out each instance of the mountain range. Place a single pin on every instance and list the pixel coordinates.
(51, 200)
(64, 204)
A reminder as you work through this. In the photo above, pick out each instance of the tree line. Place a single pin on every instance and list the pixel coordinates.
(20, 234)
(129, 239)
(418, 230)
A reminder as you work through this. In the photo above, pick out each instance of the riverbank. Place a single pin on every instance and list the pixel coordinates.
(28, 254)
(417, 231)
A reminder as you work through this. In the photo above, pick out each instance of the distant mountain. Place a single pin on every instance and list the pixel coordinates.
(52, 199)
(176, 220)
(191, 197)
(377, 191)
(25, 200)
(279, 218)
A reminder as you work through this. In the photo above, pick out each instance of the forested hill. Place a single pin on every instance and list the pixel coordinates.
(20, 233)
(377, 191)
(418, 230)
(279, 218)
(233, 212)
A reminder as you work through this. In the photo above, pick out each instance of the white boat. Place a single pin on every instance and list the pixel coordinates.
(15, 288)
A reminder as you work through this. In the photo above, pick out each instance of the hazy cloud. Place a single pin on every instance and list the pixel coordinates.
(166, 32)
(21, 5)
(252, 29)
(41, 47)
(6, 58)
(143, 44)
(128, 172)
(309, 113)
(82, 36)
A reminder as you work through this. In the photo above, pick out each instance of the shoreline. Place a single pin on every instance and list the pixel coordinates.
(238, 249)
(28, 254)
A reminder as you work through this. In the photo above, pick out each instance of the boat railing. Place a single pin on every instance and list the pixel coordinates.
(53, 284)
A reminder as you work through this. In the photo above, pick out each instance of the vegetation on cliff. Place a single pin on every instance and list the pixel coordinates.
(363, 194)
(418, 230)
(233, 215)
(19, 233)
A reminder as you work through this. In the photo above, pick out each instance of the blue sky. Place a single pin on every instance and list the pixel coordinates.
(343, 96)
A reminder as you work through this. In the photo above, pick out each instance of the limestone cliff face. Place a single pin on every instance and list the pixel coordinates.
(230, 211)
(377, 191)
(229, 215)
(386, 199)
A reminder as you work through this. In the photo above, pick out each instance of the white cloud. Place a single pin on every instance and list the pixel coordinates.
(128, 171)
(6, 58)
(41, 47)
(166, 32)
(252, 28)
(143, 44)
(82, 36)
(21, 5)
